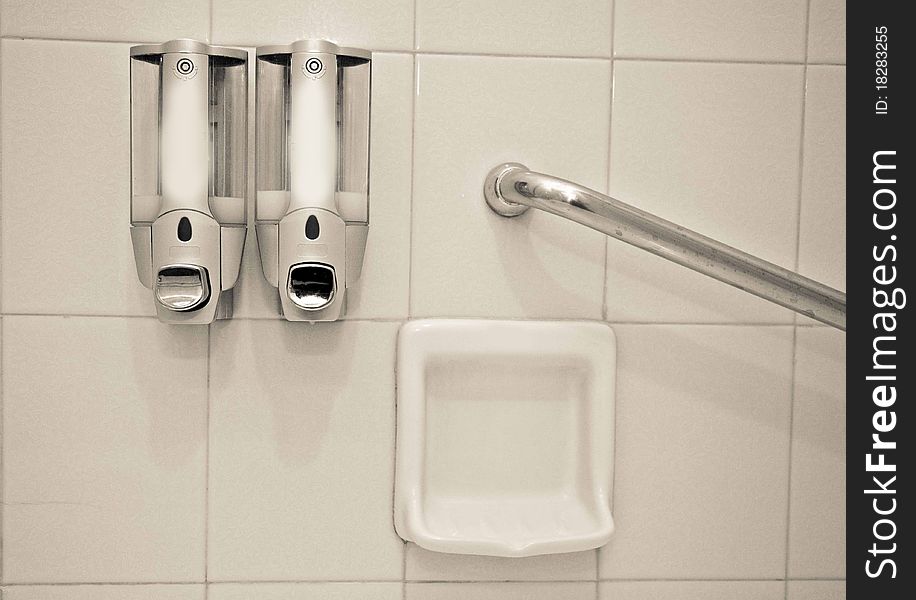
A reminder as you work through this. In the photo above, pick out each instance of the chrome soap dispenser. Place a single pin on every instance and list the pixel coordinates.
(312, 210)
(188, 113)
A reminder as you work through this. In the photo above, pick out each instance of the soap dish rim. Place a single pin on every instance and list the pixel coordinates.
(414, 351)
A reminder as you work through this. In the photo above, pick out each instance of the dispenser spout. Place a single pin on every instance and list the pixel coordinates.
(312, 286)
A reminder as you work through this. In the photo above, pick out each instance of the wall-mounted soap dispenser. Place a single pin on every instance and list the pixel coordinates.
(188, 182)
(312, 209)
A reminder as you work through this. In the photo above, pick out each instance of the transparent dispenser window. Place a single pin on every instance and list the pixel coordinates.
(272, 136)
(144, 137)
(228, 96)
(353, 93)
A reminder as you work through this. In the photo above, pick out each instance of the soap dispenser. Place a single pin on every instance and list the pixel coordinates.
(188, 116)
(312, 209)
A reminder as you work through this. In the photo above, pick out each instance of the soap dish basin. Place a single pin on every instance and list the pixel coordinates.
(505, 436)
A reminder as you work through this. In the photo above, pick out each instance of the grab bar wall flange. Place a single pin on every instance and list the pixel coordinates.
(510, 189)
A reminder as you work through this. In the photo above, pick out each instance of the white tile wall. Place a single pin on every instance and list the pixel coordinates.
(816, 590)
(701, 476)
(746, 30)
(379, 25)
(518, 27)
(104, 450)
(66, 180)
(471, 114)
(305, 591)
(503, 591)
(691, 590)
(137, 20)
(827, 32)
(822, 237)
(817, 537)
(741, 188)
(106, 592)
(302, 452)
(122, 464)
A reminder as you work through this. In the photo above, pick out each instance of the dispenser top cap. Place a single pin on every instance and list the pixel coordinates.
(313, 46)
(185, 46)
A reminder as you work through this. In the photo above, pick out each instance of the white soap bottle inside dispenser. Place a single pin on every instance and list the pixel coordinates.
(188, 146)
(312, 208)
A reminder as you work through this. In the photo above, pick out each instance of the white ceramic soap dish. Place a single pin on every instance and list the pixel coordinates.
(505, 436)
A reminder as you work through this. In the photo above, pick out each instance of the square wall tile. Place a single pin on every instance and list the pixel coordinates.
(691, 590)
(702, 443)
(822, 238)
(746, 30)
(816, 590)
(66, 181)
(377, 25)
(105, 592)
(515, 27)
(302, 452)
(473, 113)
(503, 591)
(715, 148)
(827, 32)
(423, 565)
(306, 591)
(104, 450)
(135, 21)
(817, 516)
(382, 289)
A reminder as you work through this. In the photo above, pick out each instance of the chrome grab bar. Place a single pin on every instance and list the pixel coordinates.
(510, 189)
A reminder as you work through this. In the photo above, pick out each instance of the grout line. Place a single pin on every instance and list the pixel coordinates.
(396, 581)
(2, 464)
(207, 469)
(403, 571)
(720, 579)
(801, 154)
(607, 189)
(794, 372)
(471, 54)
(792, 377)
(416, 10)
(96, 583)
(2, 257)
(415, 95)
(714, 61)
(209, 352)
(605, 280)
(604, 292)
(75, 315)
(610, 135)
(153, 317)
(20, 38)
(701, 324)
(811, 325)
(393, 50)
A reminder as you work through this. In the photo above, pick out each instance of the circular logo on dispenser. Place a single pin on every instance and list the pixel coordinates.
(185, 68)
(313, 68)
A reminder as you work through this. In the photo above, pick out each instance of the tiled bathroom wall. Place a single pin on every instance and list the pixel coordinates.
(254, 458)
